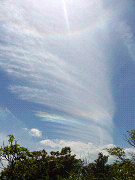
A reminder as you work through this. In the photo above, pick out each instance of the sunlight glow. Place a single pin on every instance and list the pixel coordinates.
(66, 15)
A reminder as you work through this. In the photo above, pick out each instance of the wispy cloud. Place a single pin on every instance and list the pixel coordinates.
(69, 74)
(126, 34)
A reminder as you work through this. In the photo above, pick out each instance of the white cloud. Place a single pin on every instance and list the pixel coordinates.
(86, 151)
(35, 132)
(129, 152)
(83, 150)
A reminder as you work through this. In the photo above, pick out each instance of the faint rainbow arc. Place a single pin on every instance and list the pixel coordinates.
(68, 33)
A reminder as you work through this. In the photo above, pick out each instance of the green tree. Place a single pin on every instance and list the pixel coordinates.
(23, 164)
(13, 154)
(118, 152)
(100, 168)
(130, 138)
(64, 163)
(123, 168)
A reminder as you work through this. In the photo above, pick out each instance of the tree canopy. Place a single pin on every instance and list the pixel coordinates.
(63, 165)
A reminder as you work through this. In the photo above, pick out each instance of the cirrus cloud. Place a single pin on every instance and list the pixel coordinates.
(72, 74)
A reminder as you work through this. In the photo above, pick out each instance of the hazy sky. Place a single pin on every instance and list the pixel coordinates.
(67, 72)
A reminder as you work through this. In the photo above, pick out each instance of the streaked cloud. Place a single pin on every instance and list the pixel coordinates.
(70, 74)
(126, 34)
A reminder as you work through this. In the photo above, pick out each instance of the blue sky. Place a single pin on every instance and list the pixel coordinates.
(67, 71)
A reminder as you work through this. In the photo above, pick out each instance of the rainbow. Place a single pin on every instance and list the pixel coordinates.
(56, 118)
(92, 25)
(49, 116)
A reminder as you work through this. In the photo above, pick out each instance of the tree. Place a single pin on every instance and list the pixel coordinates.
(123, 168)
(118, 152)
(100, 167)
(64, 163)
(130, 138)
(23, 164)
(13, 154)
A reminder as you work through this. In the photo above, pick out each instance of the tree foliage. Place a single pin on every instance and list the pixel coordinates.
(131, 137)
(118, 152)
(23, 164)
(62, 165)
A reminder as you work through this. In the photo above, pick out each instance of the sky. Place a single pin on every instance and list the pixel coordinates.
(67, 73)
